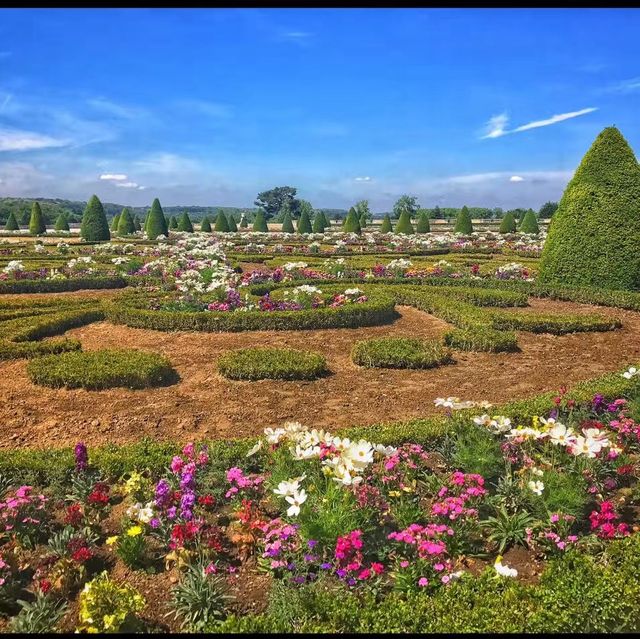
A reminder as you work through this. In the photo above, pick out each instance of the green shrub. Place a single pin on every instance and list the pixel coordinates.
(221, 225)
(260, 224)
(319, 223)
(363, 221)
(61, 223)
(114, 223)
(94, 227)
(156, 223)
(136, 223)
(12, 223)
(173, 223)
(184, 224)
(271, 363)
(205, 225)
(287, 224)
(125, 223)
(481, 338)
(463, 222)
(400, 352)
(304, 224)
(508, 223)
(404, 225)
(352, 222)
(96, 370)
(555, 324)
(59, 286)
(565, 492)
(595, 232)
(386, 225)
(37, 224)
(233, 227)
(530, 223)
(39, 616)
(423, 225)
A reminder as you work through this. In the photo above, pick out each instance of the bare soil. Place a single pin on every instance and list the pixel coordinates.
(205, 405)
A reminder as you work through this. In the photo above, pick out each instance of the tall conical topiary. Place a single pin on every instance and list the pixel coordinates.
(304, 224)
(146, 221)
(114, 223)
(125, 224)
(243, 222)
(326, 223)
(318, 223)
(352, 222)
(363, 221)
(173, 223)
(508, 223)
(184, 223)
(463, 222)
(260, 224)
(222, 225)
(157, 223)
(205, 225)
(36, 223)
(595, 233)
(61, 223)
(530, 223)
(423, 225)
(404, 224)
(287, 224)
(136, 223)
(12, 223)
(386, 225)
(233, 227)
(94, 227)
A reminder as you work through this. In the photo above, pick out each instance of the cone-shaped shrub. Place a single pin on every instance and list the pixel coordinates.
(94, 227)
(61, 223)
(146, 221)
(404, 224)
(136, 223)
(423, 225)
(386, 225)
(114, 223)
(126, 225)
(233, 227)
(260, 224)
(12, 223)
(173, 223)
(36, 223)
(243, 222)
(205, 225)
(595, 234)
(463, 222)
(222, 225)
(363, 221)
(325, 220)
(184, 223)
(351, 222)
(304, 224)
(508, 223)
(287, 224)
(530, 223)
(318, 223)
(157, 223)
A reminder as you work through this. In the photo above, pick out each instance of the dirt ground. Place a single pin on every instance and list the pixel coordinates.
(205, 405)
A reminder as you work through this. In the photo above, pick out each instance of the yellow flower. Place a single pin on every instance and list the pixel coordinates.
(134, 531)
(110, 541)
(394, 493)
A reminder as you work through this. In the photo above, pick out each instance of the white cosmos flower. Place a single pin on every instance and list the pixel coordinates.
(384, 450)
(446, 403)
(597, 435)
(289, 487)
(296, 500)
(305, 452)
(274, 436)
(255, 449)
(632, 372)
(536, 486)
(359, 454)
(561, 435)
(585, 446)
(503, 569)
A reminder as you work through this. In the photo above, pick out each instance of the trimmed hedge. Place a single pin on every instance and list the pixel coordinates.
(97, 370)
(271, 363)
(555, 324)
(463, 222)
(94, 227)
(482, 339)
(400, 352)
(61, 286)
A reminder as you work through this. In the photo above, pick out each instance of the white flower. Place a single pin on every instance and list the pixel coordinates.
(503, 569)
(14, 265)
(296, 500)
(585, 446)
(255, 449)
(358, 454)
(632, 372)
(384, 450)
(145, 515)
(274, 436)
(536, 486)
(446, 403)
(561, 435)
(289, 487)
(353, 292)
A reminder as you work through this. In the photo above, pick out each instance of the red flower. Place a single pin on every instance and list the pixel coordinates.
(81, 555)
(73, 514)
(44, 585)
(207, 501)
(99, 495)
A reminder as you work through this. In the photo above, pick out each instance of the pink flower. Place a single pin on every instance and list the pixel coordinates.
(423, 581)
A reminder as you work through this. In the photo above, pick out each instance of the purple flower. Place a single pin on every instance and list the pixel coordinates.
(312, 543)
(325, 566)
(82, 456)
(309, 558)
(154, 523)
(171, 513)
(163, 493)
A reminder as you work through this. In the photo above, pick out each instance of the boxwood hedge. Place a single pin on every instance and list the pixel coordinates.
(400, 352)
(272, 363)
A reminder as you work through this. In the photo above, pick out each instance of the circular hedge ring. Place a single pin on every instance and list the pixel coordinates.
(97, 370)
(400, 352)
(271, 363)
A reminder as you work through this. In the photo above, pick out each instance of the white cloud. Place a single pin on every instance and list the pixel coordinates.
(127, 185)
(113, 176)
(366, 178)
(117, 110)
(516, 178)
(496, 125)
(626, 86)
(18, 140)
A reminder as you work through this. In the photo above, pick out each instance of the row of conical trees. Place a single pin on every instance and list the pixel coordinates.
(37, 225)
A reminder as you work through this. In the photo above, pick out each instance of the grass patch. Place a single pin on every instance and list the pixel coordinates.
(271, 363)
(400, 352)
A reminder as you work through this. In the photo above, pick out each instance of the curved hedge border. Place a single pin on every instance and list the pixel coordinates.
(60, 286)
(97, 370)
(400, 352)
(272, 363)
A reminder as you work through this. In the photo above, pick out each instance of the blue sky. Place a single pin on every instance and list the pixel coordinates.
(488, 107)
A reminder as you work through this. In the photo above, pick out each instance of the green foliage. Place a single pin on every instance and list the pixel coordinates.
(352, 222)
(39, 616)
(477, 451)
(61, 223)
(400, 352)
(319, 223)
(406, 204)
(595, 232)
(508, 529)
(273, 200)
(423, 225)
(554, 324)
(547, 210)
(481, 338)
(404, 225)
(221, 225)
(136, 223)
(271, 363)
(12, 223)
(94, 227)
(530, 223)
(200, 600)
(96, 370)
(125, 223)
(363, 221)
(37, 224)
(386, 225)
(304, 224)
(260, 223)
(233, 227)
(508, 223)
(463, 222)
(173, 223)
(59, 286)
(132, 549)
(287, 224)
(565, 492)
(157, 223)
(114, 222)
(184, 224)
(205, 225)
